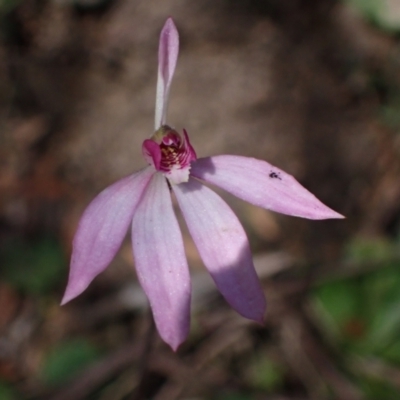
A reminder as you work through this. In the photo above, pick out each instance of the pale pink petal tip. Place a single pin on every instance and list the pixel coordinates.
(102, 229)
(261, 184)
(74, 289)
(223, 247)
(168, 51)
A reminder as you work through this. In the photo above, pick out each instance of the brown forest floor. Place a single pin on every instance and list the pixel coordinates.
(308, 85)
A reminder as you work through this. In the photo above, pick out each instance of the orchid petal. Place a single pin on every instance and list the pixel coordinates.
(261, 184)
(167, 56)
(223, 247)
(102, 229)
(161, 262)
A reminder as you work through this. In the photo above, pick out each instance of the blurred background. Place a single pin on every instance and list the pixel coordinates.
(312, 86)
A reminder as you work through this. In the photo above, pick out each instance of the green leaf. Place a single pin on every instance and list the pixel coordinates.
(8, 5)
(377, 390)
(34, 267)
(265, 374)
(392, 353)
(385, 328)
(383, 290)
(235, 396)
(385, 14)
(341, 300)
(67, 359)
(6, 393)
(367, 250)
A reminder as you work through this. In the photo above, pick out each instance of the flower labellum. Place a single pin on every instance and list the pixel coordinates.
(143, 201)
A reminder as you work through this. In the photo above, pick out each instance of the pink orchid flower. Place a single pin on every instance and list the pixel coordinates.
(143, 200)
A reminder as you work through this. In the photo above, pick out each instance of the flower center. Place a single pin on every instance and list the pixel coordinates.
(170, 153)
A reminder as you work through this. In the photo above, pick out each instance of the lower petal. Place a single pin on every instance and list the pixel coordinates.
(161, 262)
(223, 247)
(102, 229)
